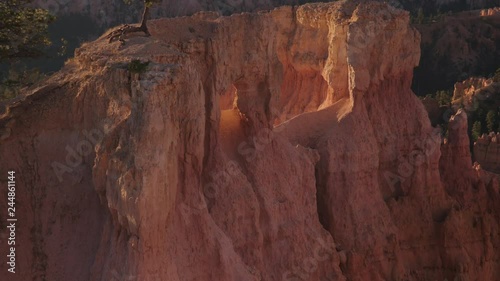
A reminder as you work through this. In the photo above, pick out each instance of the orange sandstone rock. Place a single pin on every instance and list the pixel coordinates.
(281, 145)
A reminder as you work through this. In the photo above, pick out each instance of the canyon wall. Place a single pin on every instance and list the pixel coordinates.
(281, 145)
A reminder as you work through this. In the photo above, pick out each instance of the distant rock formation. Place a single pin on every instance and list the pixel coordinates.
(487, 152)
(281, 145)
(476, 95)
(469, 93)
(490, 12)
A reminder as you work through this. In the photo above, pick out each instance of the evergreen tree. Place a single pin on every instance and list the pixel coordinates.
(476, 130)
(491, 120)
(23, 34)
(121, 32)
(23, 30)
(443, 98)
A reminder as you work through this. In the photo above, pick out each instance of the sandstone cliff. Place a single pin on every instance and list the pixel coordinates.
(282, 145)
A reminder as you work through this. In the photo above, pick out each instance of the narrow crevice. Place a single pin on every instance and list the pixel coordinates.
(321, 205)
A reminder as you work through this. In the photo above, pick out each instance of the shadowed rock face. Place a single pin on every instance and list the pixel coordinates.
(456, 47)
(283, 145)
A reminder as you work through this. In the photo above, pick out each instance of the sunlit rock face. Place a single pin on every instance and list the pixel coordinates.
(281, 145)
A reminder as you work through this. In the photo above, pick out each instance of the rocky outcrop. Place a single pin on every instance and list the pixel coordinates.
(478, 96)
(282, 145)
(487, 152)
(471, 93)
(490, 12)
(474, 210)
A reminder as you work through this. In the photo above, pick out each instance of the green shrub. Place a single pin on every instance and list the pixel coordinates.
(136, 66)
(476, 130)
(491, 120)
(17, 79)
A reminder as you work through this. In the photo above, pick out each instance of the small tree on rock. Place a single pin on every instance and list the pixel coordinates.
(23, 34)
(491, 120)
(23, 30)
(476, 130)
(143, 27)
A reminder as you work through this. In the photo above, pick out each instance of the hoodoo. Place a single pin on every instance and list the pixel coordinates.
(280, 145)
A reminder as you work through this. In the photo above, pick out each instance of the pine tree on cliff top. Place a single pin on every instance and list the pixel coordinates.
(23, 34)
(143, 27)
(491, 120)
(476, 130)
(23, 30)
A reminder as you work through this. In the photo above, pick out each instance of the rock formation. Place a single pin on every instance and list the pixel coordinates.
(454, 46)
(490, 12)
(478, 96)
(469, 93)
(487, 152)
(282, 145)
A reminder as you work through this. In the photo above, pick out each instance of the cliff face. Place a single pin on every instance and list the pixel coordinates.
(283, 145)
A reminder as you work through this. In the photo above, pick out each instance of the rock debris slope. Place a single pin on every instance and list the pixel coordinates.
(282, 145)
